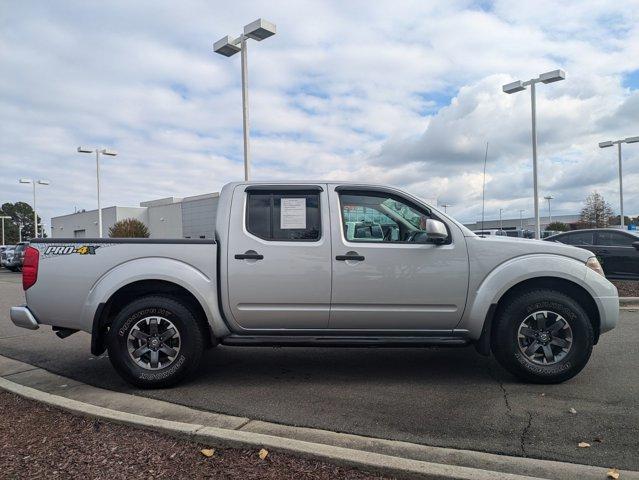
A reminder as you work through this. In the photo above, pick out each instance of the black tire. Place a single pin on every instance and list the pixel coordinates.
(506, 339)
(190, 342)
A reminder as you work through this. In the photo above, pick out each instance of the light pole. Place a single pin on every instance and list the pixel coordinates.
(3, 217)
(257, 30)
(19, 232)
(98, 151)
(35, 214)
(518, 86)
(521, 219)
(618, 143)
(500, 224)
(549, 198)
(445, 205)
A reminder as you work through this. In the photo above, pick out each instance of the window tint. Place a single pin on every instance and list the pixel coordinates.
(378, 217)
(577, 238)
(615, 239)
(284, 216)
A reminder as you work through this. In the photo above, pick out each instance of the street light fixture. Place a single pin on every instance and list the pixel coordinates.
(445, 205)
(98, 151)
(618, 143)
(35, 215)
(227, 46)
(549, 198)
(518, 86)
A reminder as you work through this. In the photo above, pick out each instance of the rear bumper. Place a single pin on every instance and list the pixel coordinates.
(22, 317)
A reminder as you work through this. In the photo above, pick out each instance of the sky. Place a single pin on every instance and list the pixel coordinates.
(405, 93)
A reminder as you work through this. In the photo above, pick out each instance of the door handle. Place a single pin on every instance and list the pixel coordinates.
(249, 256)
(350, 256)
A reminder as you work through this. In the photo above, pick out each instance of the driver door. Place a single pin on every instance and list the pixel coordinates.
(386, 276)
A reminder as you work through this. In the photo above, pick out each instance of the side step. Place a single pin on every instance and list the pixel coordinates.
(341, 341)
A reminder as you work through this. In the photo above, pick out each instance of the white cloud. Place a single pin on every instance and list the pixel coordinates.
(353, 90)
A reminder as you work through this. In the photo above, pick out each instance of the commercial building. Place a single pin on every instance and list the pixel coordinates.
(525, 223)
(189, 217)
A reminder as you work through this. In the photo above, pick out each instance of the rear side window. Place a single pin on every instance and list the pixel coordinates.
(614, 239)
(284, 215)
(578, 238)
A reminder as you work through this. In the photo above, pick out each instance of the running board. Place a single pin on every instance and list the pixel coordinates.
(341, 341)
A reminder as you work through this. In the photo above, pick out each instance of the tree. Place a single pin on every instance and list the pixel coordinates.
(129, 228)
(20, 213)
(616, 220)
(596, 212)
(558, 227)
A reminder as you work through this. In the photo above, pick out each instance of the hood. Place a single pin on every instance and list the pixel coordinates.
(513, 246)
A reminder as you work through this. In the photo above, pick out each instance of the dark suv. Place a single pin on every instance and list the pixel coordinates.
(617, 250)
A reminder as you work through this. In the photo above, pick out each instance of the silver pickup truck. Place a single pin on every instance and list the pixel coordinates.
(321, 264)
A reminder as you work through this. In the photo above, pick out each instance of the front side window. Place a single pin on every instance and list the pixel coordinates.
(380, 217)
(284, 215)
(615, 239)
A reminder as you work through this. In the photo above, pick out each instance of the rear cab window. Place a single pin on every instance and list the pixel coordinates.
(284, 215)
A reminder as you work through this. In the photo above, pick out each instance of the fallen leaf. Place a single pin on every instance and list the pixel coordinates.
(207, 452)
(613, 473)
(583, 445)
(543, 394)
(263, 454)
(572, 410)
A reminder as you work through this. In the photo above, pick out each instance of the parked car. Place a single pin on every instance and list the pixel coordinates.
(283, 271)
(617, 250)
(14, 260)
(6, 255)
(483, 233)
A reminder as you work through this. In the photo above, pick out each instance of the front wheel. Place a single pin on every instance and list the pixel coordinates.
(542, 336)
(155, 342)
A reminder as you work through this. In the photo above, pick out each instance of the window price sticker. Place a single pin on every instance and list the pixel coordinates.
(293, 213)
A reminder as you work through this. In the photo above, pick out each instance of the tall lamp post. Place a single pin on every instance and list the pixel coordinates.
(518, 86)
(35, 214)
(618, 143)
(549, 198)
(98, 151)
(445, 205)
(500, 224)
(3, 217)
(257, 30)
(521, 219)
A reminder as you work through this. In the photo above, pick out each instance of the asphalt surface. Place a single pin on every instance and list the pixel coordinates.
(442, 397)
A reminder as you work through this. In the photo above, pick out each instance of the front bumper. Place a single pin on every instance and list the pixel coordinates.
(22, 317)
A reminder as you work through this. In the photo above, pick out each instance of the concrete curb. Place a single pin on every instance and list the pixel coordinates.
(216, 436)
(400, 459)
(629, 301)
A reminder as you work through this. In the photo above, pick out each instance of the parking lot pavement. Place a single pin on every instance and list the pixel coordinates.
(443, 397)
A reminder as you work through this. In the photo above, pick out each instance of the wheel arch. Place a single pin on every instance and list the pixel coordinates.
(108, 310)
(568, 287)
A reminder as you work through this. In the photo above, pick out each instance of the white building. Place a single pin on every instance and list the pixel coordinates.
(189, 217)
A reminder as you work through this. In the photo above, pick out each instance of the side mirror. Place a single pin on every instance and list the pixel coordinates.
(636, 245)
(436, 231)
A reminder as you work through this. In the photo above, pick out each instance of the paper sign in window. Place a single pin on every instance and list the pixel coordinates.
(293, 213)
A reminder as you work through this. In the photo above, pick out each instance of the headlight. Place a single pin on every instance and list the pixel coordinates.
(594, 264)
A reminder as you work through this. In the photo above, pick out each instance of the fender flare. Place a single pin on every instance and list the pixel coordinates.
(511, 273)
(203, 288)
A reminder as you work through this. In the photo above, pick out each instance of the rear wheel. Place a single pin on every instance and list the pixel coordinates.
(542, 336)
(155, 342)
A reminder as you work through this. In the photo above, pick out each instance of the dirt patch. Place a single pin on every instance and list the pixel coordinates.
(627, 288)
(37, 441)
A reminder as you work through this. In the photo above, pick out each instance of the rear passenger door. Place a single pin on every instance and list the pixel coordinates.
(279, 257)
